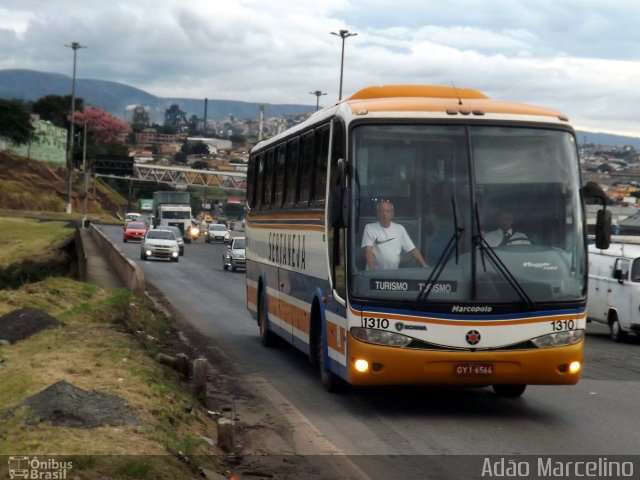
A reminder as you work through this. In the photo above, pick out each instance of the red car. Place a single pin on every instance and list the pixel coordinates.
(134, 231)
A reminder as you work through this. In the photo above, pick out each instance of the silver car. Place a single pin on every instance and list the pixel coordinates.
(160, 244)
(178, 233)
(233, 257)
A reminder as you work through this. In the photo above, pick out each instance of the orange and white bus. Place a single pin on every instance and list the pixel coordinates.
(451, 162)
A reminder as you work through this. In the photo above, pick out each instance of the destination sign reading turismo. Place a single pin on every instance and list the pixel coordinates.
(411, 286)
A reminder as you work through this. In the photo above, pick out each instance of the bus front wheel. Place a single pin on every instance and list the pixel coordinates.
(509, 391)
(330, 381)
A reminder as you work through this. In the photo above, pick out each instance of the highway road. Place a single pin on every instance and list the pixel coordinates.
(596, 417)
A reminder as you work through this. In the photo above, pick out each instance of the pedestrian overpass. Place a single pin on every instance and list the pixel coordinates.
(184, 177)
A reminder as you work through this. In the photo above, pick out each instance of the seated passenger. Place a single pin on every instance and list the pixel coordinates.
(384, 241)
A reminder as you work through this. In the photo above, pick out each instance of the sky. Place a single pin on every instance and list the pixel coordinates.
(581, 57)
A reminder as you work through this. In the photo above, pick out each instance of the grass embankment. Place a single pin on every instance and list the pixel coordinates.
(107, 344)
(33, 250)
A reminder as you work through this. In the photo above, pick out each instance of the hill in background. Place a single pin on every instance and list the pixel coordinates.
(599, 138)
(115, 97)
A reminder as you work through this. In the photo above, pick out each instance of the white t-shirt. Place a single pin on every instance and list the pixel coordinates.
(387, 243)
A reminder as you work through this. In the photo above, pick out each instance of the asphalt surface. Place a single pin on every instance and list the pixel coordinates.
(391, 430)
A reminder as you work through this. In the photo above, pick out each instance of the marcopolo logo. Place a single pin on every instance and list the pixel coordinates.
(471, 309)
(38, 469)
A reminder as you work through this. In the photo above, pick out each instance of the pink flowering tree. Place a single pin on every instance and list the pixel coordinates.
(106, 134)
(104, 127)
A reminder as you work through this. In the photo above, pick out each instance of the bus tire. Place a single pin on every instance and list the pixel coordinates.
(267, 337)
(509, 391)
(615, 330)
(330, 381)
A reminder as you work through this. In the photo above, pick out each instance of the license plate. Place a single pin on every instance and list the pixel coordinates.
(473, 369)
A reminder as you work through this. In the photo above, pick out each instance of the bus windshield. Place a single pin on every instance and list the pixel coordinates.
(510, 193)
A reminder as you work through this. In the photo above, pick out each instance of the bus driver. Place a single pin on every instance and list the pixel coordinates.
(384, 240)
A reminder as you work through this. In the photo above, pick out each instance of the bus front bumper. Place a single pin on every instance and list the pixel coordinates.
(402, 366)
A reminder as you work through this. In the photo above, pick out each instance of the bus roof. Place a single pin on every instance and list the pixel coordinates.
(432, 98)
(423, 101)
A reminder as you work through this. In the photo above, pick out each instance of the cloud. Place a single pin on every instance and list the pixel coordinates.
(578, 56)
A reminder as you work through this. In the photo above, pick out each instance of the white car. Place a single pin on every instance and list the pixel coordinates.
(233, 257)
(133, 217)
(160, 244)
(217, 232)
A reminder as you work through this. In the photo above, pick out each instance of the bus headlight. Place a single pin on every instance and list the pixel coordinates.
(380, 337)
(361, 365)
(559, 339)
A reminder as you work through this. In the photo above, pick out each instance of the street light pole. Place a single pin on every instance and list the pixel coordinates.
(317, 93)
(344, 34)
(85, 177)
(75, 46)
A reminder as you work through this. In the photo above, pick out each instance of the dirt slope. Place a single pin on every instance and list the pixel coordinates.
(37, 186)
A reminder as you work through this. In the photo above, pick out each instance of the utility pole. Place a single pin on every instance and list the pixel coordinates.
(344, 34)
(75, 46)
(204, 127)
(85, 176)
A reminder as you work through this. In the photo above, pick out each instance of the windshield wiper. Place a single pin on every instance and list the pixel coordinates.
(486, 249)
(452, 246)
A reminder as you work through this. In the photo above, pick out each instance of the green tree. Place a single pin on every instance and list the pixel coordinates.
(56, 109)
(15, 123)
(237, 139)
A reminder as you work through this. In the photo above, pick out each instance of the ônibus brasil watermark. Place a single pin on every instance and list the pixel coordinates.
(37, 469)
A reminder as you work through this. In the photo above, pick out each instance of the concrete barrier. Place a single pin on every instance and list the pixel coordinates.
(82, 255)
(129, 272)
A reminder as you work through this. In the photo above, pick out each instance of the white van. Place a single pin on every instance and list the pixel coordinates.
(614, 286)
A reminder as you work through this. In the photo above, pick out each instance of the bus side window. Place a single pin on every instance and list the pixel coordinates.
(293, 156)
(251, 182)
(306, 168)
(280, 176)
(259, 182)
(267, 198)
(322, 151)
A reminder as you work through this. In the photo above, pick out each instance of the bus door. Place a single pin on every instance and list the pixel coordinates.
(287, 311)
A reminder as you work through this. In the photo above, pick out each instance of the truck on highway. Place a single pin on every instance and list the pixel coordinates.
(173, 209)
